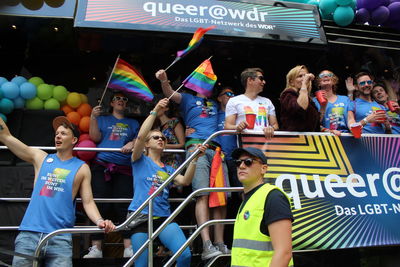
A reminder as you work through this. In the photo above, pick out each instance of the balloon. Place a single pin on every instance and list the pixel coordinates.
(19, 102)
(353, 4)
(84, 124)
(34, 103)
(380, 15)
(362, 15)
(10, 90)
(343, 2)
(84, 136)
(327, 6)
(1, 94)
(60, 93)
(313, 2)
(52, 104)
(372, 4)
(18, 80)
(74, 117)
(394, 9)
(27, 90)
(44, 91)
(3, 117)
(84, 98)
(86, 155)
(36, 81)
(84, 109)
(3, 80)
(360, 4)
(343, 15)
(67, 109)
(6, 106)
(74, 100)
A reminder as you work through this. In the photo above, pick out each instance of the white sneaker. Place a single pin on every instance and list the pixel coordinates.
(94, 252)
(128, 252)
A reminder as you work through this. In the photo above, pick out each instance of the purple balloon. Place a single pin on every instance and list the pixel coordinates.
(393, 1)
(362, 15)
(385, 2)
(360, 4)
(394, 9)
(372, 4)
(380, 15)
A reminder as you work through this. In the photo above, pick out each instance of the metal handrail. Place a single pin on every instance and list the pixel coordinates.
(99, 149)
(125, 224)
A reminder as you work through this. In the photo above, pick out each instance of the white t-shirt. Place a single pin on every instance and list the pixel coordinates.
(241, 105)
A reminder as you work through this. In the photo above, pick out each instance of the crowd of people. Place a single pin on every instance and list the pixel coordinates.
(140, 167)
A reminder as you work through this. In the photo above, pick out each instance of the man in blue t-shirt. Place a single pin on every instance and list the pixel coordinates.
(380, 94)
(58, 179)
(366, 111)
(200, 114)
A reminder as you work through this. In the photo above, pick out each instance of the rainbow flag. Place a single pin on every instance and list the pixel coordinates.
(126, 79)
(202, 79)
(195, 42)
(217, 179)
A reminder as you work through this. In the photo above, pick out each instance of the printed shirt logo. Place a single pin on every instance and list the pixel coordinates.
(118, 131)
(261, 116)
(157, 180)
(54, 182)
(207, 109)
(246, 215)
(336, 117)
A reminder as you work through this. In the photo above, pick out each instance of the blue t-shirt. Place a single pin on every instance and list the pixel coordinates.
(335, 117)
(362, 109)
(147, 178)
(394, 120)
(51, 206)
(200, 114)
(115, 133)
(228, 142)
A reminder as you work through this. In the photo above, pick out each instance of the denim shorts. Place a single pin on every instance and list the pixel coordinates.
(57, 252)
(201, 178)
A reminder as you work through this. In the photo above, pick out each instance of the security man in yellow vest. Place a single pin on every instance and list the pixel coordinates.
(263, 229)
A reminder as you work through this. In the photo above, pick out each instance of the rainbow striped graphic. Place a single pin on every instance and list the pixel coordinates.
(195, 42)
(126, 79)
(202, 79)
(217, 179)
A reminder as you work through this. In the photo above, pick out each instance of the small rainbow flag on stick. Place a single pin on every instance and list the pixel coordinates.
(193, 44)
(126, 79)
(202, 79)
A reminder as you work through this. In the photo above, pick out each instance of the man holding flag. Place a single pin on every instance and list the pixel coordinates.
(201, 114)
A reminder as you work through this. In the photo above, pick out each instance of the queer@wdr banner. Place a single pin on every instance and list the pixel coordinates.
(345, 192)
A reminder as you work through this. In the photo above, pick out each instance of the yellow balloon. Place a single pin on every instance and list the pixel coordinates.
(84, 98)
(74, 100)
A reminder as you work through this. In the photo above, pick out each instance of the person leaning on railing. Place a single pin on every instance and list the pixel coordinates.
(149, 173)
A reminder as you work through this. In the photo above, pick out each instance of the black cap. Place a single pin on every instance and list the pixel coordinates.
(62, 120)
(252, 151)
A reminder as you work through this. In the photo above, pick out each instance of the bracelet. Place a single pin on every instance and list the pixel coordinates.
(349, 94)
(193, 162)
(99, 220)
(366, 121)
(165, 81)
(153, 113)
(303, 89)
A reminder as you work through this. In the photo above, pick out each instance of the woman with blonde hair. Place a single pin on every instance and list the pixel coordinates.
(298, 111)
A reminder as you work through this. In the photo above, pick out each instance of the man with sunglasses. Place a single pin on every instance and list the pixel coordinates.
(263, 228)
(251, 103)
(370, 114)
(112, 171)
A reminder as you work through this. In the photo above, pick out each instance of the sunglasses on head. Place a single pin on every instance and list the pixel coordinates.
(230, 94)
(248, 162)
(156, 137)
(118, 98)
(369, 82)
(323, 75)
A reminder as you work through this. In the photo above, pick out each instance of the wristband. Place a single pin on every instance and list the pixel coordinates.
(366, 121)
(153, 113)
(193, 162)
(165, 81)
(99, 220)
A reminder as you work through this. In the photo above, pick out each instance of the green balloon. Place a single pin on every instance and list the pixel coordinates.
(34, 103)
(36, 81)
(44, 91)
(343, 15)
(60, 93)
(327, 6)
(52, 104)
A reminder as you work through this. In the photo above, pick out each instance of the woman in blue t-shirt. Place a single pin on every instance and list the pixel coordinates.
(149, 173)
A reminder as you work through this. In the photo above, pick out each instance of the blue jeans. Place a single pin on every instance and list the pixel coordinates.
(57, 252)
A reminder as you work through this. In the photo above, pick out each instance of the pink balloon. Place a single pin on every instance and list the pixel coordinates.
(84, 136)
(86, 155)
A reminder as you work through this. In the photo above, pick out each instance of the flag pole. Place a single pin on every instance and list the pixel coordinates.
(173, 62)
(175, 92)
(109, 78)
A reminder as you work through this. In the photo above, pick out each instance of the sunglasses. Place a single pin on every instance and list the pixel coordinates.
(230, 94)
(248, 162)
(261, 78)
(118, 98)
(369, 82)
(323, 75)
(156, 137)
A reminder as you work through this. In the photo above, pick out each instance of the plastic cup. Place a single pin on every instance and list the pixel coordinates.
(250, 119)
(356, 129)
(321, 98)
(390, 106)
(381, 111)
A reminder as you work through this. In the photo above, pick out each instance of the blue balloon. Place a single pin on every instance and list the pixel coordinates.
(313, 2)
(327, 6)
(343, 15)
(18, 80)
(2, 80)
(19, 102)
(10, 90)
(3, 117)
(6, 106)
(27, 90)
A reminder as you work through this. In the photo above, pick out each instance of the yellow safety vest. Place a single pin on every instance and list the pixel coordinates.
(250, 246)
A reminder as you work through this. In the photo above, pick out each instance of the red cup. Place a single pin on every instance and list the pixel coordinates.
(381, 111)
(321, 97)
(356, 129)
(390, 106)
(250, 119)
